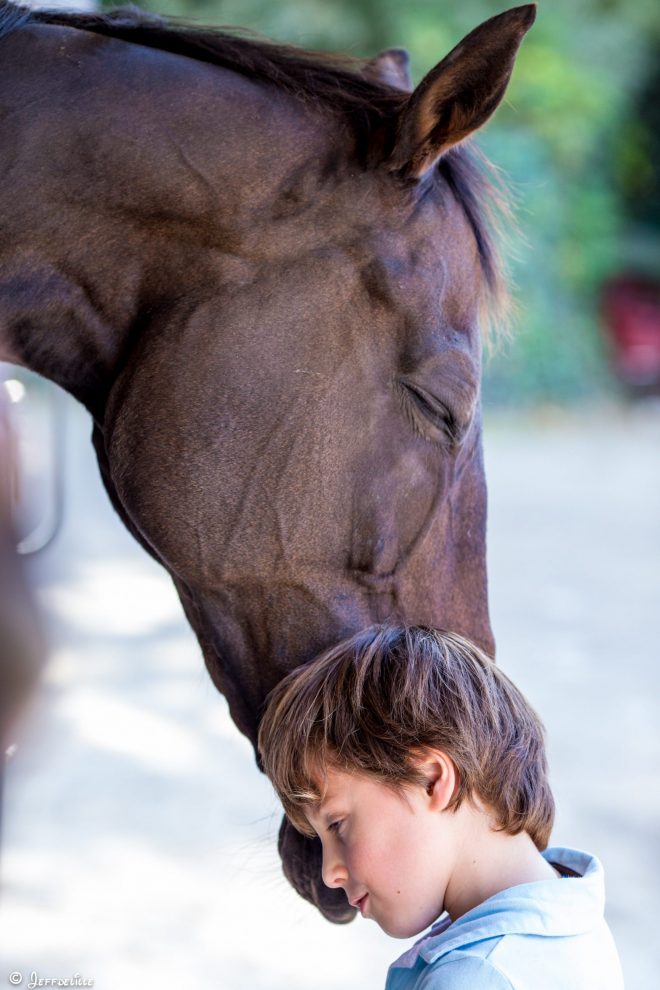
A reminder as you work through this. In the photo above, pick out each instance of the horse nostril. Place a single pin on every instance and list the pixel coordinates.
(333, 905)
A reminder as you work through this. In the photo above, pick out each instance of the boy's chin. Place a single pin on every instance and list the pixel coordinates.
(398, 931)
(402, 928)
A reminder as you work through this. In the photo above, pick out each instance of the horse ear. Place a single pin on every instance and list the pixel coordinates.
(460, 93)
(391, 67)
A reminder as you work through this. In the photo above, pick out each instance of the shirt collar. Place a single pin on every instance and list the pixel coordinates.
(558, 907)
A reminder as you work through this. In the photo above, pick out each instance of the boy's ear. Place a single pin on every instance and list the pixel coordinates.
(441, 777)
(460, 93)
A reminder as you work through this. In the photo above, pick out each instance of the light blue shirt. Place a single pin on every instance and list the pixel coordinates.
(548, 935)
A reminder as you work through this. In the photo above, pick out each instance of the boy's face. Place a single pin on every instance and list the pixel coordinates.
(390, 851)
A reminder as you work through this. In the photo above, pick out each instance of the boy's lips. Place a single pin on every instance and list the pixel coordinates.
(360, 903)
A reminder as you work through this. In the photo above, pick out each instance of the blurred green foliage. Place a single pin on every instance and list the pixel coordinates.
(579, 156)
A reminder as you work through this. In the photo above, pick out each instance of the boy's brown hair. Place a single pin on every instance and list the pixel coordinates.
(376, 700)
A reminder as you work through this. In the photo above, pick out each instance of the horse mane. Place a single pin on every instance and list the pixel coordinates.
(328, 81)
(332, 80)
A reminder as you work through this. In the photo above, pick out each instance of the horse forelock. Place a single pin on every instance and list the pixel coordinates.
(487, 204)
(333, 83)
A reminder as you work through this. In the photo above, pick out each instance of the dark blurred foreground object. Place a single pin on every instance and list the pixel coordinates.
(21, 642)
(631, 315)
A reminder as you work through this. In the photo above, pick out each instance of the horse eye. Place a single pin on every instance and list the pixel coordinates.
(429, 411)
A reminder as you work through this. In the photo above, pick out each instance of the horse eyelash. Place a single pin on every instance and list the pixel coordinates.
(413, 417)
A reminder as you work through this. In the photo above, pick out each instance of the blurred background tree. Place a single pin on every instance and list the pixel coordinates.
(577, 138)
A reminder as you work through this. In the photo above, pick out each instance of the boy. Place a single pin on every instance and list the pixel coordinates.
(422, 769)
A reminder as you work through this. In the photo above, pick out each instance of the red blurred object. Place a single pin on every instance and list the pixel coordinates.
(631, 313)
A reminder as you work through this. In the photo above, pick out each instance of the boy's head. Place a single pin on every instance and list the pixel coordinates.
(376, 703)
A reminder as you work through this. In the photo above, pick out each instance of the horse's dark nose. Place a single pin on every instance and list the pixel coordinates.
(301, 862)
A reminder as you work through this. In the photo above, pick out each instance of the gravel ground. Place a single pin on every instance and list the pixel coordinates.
(139, 836)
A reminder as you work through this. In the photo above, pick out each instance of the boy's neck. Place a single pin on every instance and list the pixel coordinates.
(490, 862)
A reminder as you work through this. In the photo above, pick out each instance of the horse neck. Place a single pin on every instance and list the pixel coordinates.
(113, 237)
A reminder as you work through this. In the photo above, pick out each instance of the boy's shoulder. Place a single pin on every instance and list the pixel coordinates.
(458, 971)
(501, 943)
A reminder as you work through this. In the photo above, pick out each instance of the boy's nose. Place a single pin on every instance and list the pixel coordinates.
(333, 871)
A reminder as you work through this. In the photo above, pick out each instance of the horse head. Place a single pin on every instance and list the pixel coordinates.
(291, 424)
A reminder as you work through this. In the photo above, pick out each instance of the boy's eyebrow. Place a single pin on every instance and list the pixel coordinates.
(319, 811)
(311, 823)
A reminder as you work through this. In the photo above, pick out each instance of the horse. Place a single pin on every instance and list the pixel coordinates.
(264, 271)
